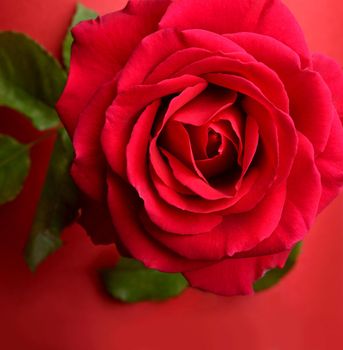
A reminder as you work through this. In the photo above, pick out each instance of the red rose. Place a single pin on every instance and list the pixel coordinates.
(207, 137)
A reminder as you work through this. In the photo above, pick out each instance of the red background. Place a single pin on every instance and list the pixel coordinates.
(63, 306)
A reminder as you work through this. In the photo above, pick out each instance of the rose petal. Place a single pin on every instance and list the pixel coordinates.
(121, 116)
(153, 53)
(201, 109)
(101, 48)
(173, 63)
(226, 130)
(168, 218)
(279, 136)
(234, 131)
(221, 164)
(308, 95)
(330, 164)
(180, 146)
(273, 53)
(258, 74)
(149, 53)
(198, 136)
(311, 107)
(237, 232)
(157, 162)
(268, 17)
(124, 206)
(234, 276)
(191, 180)
(250, 143)
(304, 191)
(89, 166)
(332, 73)
(286, 133)
(186, 202)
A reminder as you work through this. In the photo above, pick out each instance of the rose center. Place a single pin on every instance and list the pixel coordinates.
(213, 144)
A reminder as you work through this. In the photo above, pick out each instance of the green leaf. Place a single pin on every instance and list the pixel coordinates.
(82, 13)
(14, 167)
(273, 276)
(57, 206)
(31, 80)
(130, 281)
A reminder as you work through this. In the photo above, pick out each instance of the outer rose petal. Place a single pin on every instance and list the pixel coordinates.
(234, 276)
(332, 73)
(330, 162)
(101, 48)
(153, 52)
(273, 53)
(237, 233)
(330, 165)
(89, 166)
(124, 206)
(268, 17)
(301, 85)
(301, 206)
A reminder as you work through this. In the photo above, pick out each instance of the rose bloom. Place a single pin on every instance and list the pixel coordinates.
(207, 137)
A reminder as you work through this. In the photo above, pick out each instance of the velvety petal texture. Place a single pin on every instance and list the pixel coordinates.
(207, 137)
(100, 49)
(235, 276)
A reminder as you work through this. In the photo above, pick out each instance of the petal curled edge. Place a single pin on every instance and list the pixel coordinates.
(310, 100)
(267, 17)
(89, 166)
(124, 206)
(237, 233)
(234, 276)
(330, 161)
(330, 165)
(332, 74)
(101, 48)
(304, 191)
(121, 116)
(162, 214)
